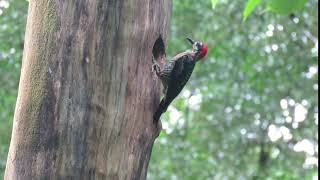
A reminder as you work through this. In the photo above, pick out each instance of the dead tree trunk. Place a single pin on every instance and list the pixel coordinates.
(86, 93)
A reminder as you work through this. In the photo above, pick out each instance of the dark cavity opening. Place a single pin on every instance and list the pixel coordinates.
(158, 49)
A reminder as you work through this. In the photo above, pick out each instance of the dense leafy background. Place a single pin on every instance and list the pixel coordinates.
(250, 110)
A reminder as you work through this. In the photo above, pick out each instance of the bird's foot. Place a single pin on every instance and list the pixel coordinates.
(155, 67)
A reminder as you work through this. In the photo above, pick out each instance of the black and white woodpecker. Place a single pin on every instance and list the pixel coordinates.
(176, 73)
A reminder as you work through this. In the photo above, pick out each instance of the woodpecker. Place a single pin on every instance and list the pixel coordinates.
(176, 73)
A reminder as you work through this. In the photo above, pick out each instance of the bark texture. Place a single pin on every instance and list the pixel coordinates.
(86, 93)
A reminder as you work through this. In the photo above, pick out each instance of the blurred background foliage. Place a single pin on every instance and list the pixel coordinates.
(250, 110)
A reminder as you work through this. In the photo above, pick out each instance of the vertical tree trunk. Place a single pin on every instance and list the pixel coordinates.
(86, 93)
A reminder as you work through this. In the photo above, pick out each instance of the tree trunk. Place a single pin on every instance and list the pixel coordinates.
(86, 92)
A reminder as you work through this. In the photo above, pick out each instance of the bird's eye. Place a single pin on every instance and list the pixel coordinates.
(199, 45)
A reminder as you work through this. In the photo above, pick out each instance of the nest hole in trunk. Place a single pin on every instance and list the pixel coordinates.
(158, 49)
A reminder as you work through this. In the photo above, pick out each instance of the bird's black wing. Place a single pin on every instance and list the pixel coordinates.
(180, 74)
(182, 67)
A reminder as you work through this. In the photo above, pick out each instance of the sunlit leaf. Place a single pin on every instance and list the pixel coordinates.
(214, 3)
(250, 6)
(285, 6)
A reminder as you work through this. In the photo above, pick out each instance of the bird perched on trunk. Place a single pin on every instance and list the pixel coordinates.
(176, 73)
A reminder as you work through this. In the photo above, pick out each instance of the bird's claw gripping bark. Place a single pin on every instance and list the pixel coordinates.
(155, 66)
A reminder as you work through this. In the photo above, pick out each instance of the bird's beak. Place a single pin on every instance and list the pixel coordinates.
(190, 40)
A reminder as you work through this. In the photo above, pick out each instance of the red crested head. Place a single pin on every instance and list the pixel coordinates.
(201, 49)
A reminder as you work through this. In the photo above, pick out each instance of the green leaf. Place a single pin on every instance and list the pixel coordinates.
(214, 3)
(285, 6)
(250, 6)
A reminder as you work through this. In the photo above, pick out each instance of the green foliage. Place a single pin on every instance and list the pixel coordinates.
(233, 115)
(278, 6)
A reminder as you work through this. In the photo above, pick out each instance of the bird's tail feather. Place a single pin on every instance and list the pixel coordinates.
(161, 109)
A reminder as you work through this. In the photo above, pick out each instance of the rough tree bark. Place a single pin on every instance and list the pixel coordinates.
(86, 93)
